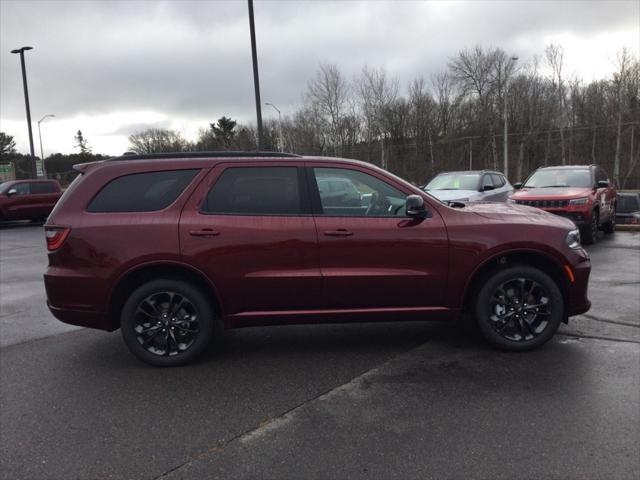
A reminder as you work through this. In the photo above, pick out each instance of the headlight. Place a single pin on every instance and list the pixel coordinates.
(579, 201)
(573, 238)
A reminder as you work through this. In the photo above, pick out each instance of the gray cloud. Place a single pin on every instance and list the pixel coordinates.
(192, 59)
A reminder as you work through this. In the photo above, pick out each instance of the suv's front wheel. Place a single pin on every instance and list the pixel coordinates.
(167, 322)
(519, 308)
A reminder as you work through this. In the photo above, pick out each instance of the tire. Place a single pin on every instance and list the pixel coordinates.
(610, 226)
(504, 312)
(159, 337)
(590, 233)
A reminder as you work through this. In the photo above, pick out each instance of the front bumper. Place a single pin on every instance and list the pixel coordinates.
(578, 300)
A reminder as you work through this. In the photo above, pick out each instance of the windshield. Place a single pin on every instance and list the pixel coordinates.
(560, 177)
(454, 181)
(4, 186)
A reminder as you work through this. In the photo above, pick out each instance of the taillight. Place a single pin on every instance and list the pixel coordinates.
(56, 237)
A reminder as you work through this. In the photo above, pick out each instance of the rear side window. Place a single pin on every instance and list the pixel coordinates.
(255, 191)
(142, 192)
(498, 180)
(42, 187)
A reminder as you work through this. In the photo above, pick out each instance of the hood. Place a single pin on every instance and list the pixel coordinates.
(551, 193)
(447, 195)
(512, 213)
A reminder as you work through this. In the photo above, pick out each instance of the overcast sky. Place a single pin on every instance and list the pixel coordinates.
(110, 68)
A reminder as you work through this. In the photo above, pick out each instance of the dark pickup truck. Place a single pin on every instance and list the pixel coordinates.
(28, 199)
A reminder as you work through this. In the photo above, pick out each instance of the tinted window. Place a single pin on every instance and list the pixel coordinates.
(498, 180)
(357, 194)
(255, 191)
(628, 203)
(142, 192)
(486, 180)
(20, 188)
(601, 176)
(42, 187)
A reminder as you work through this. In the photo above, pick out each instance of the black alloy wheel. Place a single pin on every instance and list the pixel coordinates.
(519, 308)
(167, 322)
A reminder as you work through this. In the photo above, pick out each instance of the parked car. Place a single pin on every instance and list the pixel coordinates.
(470, 186)
(339, 192)
(28, 199)
(582, 193)
(628, 209)
(173, 248)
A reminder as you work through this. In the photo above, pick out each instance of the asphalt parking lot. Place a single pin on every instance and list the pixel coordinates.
(403, 400)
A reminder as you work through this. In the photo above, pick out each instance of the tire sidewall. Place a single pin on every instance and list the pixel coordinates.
(206, 321)
(490, 285)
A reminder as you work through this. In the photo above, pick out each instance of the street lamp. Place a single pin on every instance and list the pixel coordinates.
(505, 142)
(279, 125)
(26, 102)
(44, 170)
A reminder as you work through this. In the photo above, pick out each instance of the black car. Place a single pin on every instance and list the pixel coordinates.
(628, 211)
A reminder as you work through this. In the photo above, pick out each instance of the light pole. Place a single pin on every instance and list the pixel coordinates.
(256, 78)
(26, 102)
(44, 170)
(279, 125)
(505, 142)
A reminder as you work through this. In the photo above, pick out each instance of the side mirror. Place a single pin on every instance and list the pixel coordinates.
(488, 187)
(415, 207)
(11, 192)
(602, 184)
(517, 185)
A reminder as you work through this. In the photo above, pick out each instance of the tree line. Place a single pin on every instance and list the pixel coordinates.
(450, 120)
(453, 119)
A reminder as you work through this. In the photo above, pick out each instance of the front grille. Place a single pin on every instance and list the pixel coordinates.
(544, 203)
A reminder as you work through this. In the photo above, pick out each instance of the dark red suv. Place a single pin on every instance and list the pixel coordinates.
(582, 193)
(174, 248)
(28, 199)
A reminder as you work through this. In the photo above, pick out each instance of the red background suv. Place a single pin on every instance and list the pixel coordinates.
(174, 248)
(584, 194)
(28, 199)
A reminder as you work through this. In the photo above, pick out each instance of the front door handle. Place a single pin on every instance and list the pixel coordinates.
(341, 232)
(205, 232)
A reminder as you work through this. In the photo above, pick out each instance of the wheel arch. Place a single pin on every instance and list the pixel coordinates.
(531, 258)
(141, 274)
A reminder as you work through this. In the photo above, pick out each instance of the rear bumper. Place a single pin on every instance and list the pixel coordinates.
(82, 318)
(76, 299)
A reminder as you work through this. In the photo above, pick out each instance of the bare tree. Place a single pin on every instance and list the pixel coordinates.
(328, 92)
(555, 58)
(157, 140)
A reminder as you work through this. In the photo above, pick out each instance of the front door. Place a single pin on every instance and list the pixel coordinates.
(251, 231)
(371, 254)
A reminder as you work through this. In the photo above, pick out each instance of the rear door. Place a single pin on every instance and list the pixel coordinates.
(371, 255)
(18, 204)
(249, 228)
(42, 199)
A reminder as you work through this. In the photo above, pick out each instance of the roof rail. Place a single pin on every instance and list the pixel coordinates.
(216, 154)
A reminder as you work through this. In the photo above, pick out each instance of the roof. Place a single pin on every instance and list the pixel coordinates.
(565, 167)
(217, 154)
(479, 172)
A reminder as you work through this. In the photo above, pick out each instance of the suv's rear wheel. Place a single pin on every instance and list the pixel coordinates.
(590, 233)
(519, 308)
(167, 322)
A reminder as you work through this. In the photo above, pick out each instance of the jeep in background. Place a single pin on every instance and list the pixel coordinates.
(582, 193)
(28, 199)
(174, 248)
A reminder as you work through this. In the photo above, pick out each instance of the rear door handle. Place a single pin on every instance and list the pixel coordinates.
(341, 232)
(205, 232)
